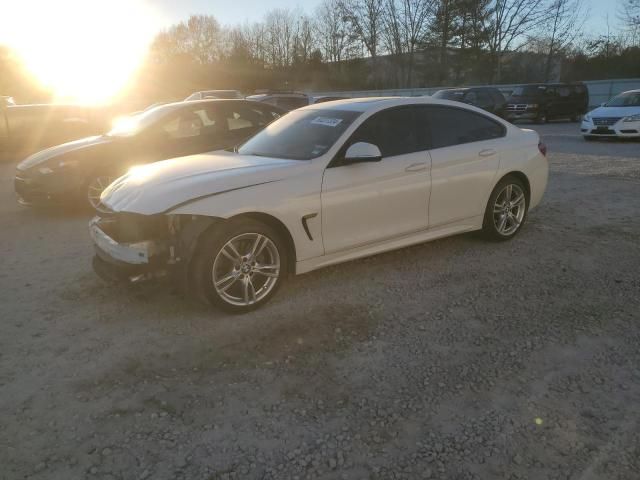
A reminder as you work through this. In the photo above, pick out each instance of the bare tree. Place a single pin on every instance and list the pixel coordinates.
(631, 13)
(304, 41)
(510, 22)
(332, 31)
(366, 18)
(198, 38)
(280, 27)
(564, 25)
(406, 24)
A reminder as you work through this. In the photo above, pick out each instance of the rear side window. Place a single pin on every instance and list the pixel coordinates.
(393, 131)
(454, 126)
(242, 117)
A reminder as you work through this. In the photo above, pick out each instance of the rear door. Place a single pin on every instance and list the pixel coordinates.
(465, 159)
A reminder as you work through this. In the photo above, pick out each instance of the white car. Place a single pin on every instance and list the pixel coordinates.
(324, 184)
(620, 117)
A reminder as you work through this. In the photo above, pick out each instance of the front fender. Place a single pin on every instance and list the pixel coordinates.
(289, 202)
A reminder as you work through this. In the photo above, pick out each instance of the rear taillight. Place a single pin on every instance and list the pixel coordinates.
(543, 148)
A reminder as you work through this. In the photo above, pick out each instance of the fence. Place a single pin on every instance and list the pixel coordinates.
(600, 91)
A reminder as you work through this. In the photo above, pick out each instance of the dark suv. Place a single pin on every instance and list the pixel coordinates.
(542, 102)
(487, 98)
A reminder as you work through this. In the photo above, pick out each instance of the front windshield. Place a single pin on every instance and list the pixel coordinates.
(629, 99)
(133, 124)
(300, 135)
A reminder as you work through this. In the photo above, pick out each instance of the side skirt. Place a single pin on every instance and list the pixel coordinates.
(462, 226)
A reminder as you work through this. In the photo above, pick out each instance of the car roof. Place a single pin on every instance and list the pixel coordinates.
(380, 103)
(218, 90)
(211, 101)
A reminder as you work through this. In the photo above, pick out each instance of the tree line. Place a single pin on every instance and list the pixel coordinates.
(402, 43)
(375, 44)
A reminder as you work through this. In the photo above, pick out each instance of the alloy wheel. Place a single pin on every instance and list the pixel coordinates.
(246, 269)
(509, 209)
(95, 188)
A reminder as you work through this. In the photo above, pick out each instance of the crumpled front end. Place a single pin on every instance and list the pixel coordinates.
(131, 246)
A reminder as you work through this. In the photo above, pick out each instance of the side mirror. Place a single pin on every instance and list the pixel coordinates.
(362, 152)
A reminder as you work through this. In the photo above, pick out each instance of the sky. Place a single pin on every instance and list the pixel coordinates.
(238, 11)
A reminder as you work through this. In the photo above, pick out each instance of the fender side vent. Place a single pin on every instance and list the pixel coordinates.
(305, 225)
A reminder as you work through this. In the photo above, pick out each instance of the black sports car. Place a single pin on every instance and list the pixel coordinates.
(81, 170)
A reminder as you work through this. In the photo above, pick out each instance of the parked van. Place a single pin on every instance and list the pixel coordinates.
(542, 102)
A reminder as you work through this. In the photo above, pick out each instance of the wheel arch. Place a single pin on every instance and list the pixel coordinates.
(520, 176)
(277, 224)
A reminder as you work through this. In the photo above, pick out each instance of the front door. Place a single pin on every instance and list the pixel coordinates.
(366, 203)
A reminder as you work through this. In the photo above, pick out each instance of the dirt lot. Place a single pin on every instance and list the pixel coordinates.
(457, 359)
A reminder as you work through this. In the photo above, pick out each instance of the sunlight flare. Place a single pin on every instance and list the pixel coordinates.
(84, 51)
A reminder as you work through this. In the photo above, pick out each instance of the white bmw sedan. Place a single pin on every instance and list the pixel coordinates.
(322, 185)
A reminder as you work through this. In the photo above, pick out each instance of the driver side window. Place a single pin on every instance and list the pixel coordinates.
(393, 131)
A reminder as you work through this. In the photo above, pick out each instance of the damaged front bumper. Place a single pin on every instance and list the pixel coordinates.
(123, 256)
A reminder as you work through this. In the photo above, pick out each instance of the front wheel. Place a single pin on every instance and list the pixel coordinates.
(507, 209)
(239, 265)
(95, 186)
(541, 118)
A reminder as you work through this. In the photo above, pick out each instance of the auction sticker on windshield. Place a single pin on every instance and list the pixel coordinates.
(327, 121)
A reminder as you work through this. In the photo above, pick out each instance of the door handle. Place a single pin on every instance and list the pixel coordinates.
(416, 167)
(489, 152)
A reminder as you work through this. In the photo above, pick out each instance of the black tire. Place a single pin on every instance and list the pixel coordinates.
(542, 118)
(489, 227)
(209, 248)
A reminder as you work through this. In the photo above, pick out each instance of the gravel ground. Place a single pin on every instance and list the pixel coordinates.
(456, 359)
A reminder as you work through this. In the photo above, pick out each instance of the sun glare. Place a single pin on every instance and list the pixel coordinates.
(85, 51)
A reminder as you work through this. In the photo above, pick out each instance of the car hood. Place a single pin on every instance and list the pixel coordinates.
(615, 112)
(162, 186)
(59, 150)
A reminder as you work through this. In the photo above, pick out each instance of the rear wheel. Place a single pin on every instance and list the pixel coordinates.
(507, 209)
(541, 118)
(239, 265)
(95, 186)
